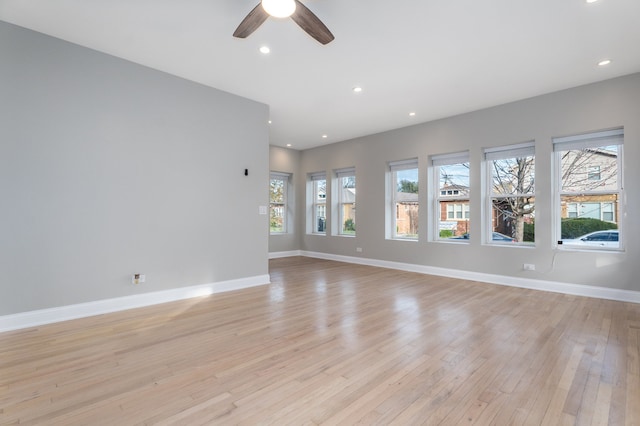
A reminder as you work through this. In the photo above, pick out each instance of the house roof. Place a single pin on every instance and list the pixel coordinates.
(407, 197)
(433, 58)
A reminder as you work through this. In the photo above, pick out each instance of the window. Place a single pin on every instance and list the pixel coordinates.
(457, 211)
(451, 175)
(511, 193)
(346, 196)
(278, 187)
(404, 199)
(601, 211)
(589, 179)
(318, 182)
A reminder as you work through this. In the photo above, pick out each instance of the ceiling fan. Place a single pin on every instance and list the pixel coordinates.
(300, 14)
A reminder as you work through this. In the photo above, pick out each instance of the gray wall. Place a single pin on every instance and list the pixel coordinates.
(604, 105)
(285, 160)
(108, 168)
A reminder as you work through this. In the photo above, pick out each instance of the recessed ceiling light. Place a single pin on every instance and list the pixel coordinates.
(591, 1)
(357, 89)
(604, 62)
(412, 114)
(288, 145)
(324, 136)
(265, 50)
(269, 121)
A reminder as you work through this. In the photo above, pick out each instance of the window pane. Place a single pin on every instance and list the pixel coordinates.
(405, 199)
(277, 218)
(587, 170)
(512, 220)
(277, 191)
(513, 176)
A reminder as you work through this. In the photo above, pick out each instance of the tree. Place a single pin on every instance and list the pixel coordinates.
(408, 186)
(276, 205)
(349, 182)
(583, 171)
(589, 169)
(513, 191)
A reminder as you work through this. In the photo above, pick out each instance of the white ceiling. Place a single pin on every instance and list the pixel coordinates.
(437, 58)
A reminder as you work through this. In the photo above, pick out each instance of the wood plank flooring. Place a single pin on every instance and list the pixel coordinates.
(334, 344)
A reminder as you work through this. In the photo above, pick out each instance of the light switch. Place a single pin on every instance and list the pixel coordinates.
(262, 210)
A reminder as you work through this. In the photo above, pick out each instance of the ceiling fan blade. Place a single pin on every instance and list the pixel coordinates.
(311, 24)
(251, 22)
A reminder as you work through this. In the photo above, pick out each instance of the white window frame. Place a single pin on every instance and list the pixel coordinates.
(437, 161)
(586, 141)
(526, 149)
(338, 227)
(284, 177)
(314, 203)
(393, 202)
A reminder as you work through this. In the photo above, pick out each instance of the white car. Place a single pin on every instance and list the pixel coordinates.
(608, 238)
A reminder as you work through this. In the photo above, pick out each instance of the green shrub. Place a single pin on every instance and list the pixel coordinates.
(577, 227)
(529, 232)
(349, 225)
(446, 233)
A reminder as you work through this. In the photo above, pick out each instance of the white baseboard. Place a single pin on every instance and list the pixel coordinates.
(533, 284)
(279, 254)
(82, 310)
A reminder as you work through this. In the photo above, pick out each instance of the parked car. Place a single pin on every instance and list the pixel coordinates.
(495, 236)
(608, 238)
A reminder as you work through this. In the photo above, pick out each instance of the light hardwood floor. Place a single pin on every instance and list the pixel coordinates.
(336, 344)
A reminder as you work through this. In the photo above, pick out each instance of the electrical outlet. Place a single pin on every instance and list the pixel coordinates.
(359, 249)
(529, 267)
(138, 278)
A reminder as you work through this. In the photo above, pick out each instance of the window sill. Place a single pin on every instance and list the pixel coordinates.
(566, 248)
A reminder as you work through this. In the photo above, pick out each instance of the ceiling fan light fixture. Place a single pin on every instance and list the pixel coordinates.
(279, 8)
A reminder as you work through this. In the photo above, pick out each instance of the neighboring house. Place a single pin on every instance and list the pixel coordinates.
(591, 175)
(454, 209)
(348, 202)
(590, 190)
(406, 213)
